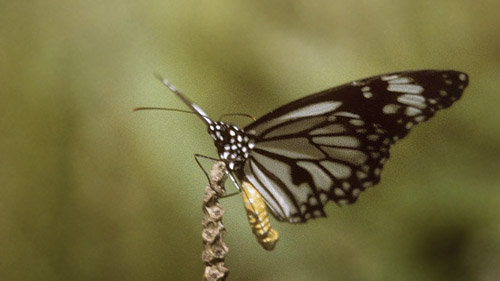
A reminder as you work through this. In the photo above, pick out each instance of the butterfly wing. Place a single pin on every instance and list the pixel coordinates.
(332, 145)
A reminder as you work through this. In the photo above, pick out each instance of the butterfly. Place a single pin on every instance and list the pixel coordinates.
(331, 145)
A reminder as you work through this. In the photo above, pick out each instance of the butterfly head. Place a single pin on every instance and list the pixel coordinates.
(233, 145)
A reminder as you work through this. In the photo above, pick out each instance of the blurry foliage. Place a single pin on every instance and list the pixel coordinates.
(91, 191)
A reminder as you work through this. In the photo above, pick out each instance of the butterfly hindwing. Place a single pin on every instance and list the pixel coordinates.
(334, 160)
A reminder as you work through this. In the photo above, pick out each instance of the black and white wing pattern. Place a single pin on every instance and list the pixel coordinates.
(332, 145)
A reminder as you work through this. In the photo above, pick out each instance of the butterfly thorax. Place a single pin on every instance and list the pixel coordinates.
(232, 143)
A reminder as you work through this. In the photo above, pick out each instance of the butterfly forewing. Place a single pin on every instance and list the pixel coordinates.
(332, 145)
(391, 100)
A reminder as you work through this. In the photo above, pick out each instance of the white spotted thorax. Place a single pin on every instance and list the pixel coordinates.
(331, 145)
(232, 144)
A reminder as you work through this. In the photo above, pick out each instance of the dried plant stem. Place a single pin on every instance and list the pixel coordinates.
(214, 248)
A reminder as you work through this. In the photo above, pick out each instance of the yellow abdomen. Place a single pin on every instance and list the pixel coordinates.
(258, 217)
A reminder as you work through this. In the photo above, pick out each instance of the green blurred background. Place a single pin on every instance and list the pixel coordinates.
(92, 191)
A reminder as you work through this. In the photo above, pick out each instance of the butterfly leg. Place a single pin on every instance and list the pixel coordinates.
(201, 166)
(196, 156)
(235, 184)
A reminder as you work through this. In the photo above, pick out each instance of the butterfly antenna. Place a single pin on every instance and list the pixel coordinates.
(237, 114)
(194, 108)
(163, 108)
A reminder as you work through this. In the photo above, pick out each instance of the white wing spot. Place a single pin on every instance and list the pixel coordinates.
(367, 95)
(342, 202)
(419, 118)
(357, 122)
(339, 192)
(449, 82)
(375, 155)
(366, 92)
(346, 185)
(388, 77)
(303, 208)
(365, 168)
(462, 77)
(409, 125)
(443, 93)
(413, 100)
(433, 101)
(313, 201)
(355, 192)
(405, 88)
(390, 108)
(367, 184)
(372, 137)
(347, 114)
(402, 80)
(323, 198)
(412, 111)
(360, 175)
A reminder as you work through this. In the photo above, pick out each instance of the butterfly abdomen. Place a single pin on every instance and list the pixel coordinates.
(258, 217)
